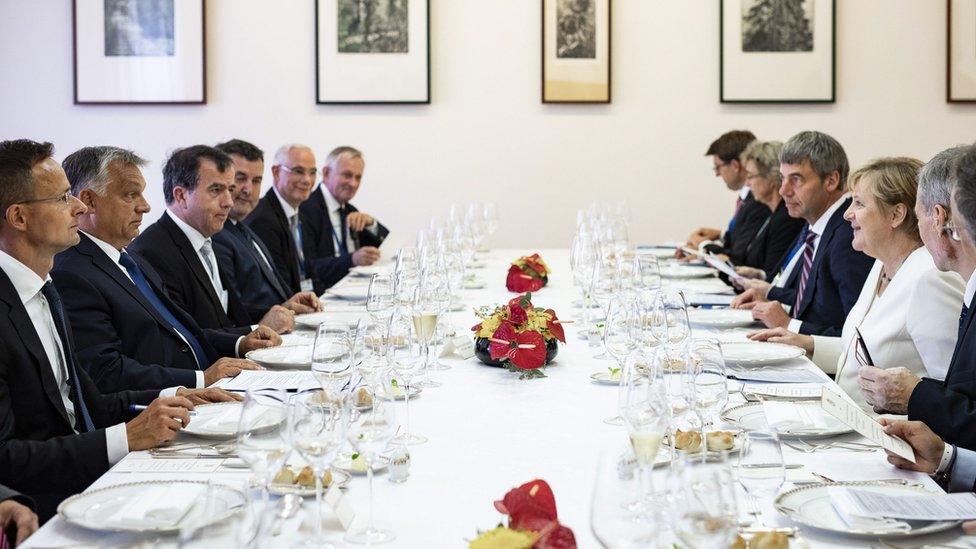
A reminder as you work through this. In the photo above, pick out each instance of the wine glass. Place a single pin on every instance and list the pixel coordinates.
(376, 339)
(369, 434)
(672, 326)
(710, 379)
(647, 417)
(262, 436)
(603, 287)
(332, 357)
(648, 271)
(406, 362)
(316, 428)
(380, 297)
(613, 519)
(706, 512)
(431, 298)
(761, 470)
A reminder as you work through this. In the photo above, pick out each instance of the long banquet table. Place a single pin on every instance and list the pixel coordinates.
(489, 431)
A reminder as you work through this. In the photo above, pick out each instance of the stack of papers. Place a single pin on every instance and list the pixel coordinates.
(871, 504)
(298, 380)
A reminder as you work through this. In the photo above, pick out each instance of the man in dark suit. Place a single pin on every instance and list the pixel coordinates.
(829, 274)
(748, 216)
(58, 433)
(198, 185)
(17, 519)
(128, 333)
(243, 257)
(343, 235)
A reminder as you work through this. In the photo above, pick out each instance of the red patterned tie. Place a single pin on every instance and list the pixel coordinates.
(805, 273)
(738, 206)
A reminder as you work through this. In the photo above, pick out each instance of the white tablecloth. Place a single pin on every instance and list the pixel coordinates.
(489, 431)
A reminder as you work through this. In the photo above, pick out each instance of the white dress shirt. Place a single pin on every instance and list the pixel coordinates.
(114, 255)
(28, 286)
(818, 229)
(337, 229)
(970, 290)
(197, 241)
(913, 324)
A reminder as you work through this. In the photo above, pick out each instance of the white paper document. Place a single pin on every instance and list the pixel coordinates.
(784, 390)
(709, 299)
(715, 262)
(288, 380)
(834, 402)
(872, 504)
(168, 465)
(771, 375)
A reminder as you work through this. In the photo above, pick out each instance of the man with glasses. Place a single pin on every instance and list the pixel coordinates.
(889, 389)
(748, 215)
(281, 225)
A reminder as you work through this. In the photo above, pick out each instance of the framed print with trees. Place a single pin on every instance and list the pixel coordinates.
(139, 51)
(575, 51)
(777, 51)
(961, 51)
(372, 51)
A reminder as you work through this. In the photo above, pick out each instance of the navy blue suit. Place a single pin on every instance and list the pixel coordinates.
(949, 407)
(258, 285)
(164, 247)
(40, 455)
(120, 338)
(327, 266)
(836, 277)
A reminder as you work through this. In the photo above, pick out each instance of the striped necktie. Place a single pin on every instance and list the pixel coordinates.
(805, 273)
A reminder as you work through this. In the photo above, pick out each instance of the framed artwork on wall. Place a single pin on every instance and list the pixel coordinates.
(139, 52)
(961, 51)
(777, 51)
(575, 51)
(372, 51)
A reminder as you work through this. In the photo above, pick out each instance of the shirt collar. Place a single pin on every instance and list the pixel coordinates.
(744, 192)
(196, 238)
(289, 211)
(330, 202)
(821, 223)
(109, 249)
(25, 281)
(970, 290)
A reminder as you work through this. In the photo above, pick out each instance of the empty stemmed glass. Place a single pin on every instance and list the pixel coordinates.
(761, 470)
(603, 287)
(648, 271)
(709, 378)
(332, 359)
(672, 326)
(706, 514)
(370, 433)
(316, 429)
(619, 337)
(406, 363)
(380, 298)
(262, 436)
(431, 298)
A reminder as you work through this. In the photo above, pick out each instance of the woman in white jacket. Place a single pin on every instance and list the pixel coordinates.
(908, 311)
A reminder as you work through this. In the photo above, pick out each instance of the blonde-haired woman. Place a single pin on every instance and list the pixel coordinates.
(908, 310)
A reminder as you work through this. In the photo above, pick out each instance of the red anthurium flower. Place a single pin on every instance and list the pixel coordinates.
(526, 350)
(555, 328)
(524, 301)
(532, 507)
(517, 281)
(476, 327)
(517, 314)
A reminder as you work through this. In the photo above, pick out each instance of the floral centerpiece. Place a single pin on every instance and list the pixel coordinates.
(532, 521)
(528, 273)
(518, 336)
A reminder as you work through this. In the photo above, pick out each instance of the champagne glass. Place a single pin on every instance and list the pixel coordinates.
(647, 417)
(262, 437)
(761, 470)
(431, 298)
(406, 363)
(316, 427)
(380, 297)
(369, 434)
(332, 357)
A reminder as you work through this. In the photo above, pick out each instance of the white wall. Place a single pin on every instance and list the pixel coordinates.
(486, 135)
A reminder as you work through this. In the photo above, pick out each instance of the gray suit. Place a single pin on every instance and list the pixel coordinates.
(7, 493)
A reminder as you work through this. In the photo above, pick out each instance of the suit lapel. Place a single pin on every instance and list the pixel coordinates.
(962, 336)
(192, 260)
(245, 235)
(321, 209)
(28, 336)
(832, 225)
(290, 248)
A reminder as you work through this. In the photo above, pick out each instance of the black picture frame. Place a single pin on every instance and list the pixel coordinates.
(422, 93)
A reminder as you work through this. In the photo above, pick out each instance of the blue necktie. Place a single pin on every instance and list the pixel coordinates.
(140, 281)
(57, 313)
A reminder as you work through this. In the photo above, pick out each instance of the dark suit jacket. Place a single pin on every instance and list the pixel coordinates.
(164, 246)
(949, 407)
(40, 455)
(773, 240)
(836, 277)
(7, 493)
(258, 286)
(749, 218)
(120, 338)
(269, 222)
(329, 268)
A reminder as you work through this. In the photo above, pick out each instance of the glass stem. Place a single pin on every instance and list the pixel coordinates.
(369, 509)
(406, 431)
(425, 351)
(318, 504)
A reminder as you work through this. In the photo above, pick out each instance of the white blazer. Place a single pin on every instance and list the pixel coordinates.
(914, 324)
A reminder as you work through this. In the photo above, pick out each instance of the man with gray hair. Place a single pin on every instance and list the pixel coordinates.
(128, 332)
(828, 277)
(344, 236)
(889, 390)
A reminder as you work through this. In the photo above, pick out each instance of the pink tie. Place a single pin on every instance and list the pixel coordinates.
(805, 273)
(738, 206)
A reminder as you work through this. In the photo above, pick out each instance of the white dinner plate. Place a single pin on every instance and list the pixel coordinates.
(759, 353)
(721, 318)
(344, 464)
(297, 357)
(340, 479)
(473, 285)
(686, 271)
(99, 509)
(366, 271)
(660, 253)
(312, 320)
(811, 506)
(604, 378)
(751, 417)
(219, 420)
(349, 293)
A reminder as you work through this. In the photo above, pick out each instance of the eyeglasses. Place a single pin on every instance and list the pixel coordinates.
(861, 353)
(62, 198)
(950, 228)
(300, 172)
(718, 167)
(751, 176)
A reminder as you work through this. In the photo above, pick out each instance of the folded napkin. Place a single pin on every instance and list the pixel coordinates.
(847, 510)
(789, 417)
(227, 418)
(158, 506)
